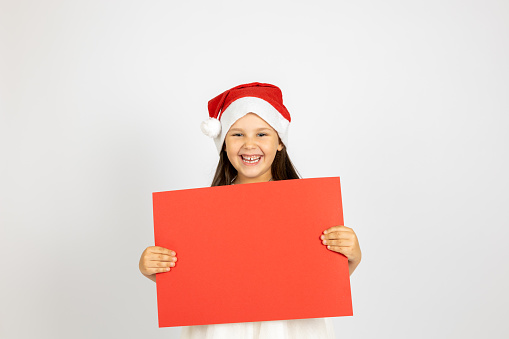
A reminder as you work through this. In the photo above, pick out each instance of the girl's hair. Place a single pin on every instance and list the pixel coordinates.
(282, 168)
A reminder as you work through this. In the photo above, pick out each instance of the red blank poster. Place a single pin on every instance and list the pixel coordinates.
(251, 252)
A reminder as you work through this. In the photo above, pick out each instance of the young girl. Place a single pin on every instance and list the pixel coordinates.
(249, 125)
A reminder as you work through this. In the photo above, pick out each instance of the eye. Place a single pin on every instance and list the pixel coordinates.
(262, 134)
(236, 134)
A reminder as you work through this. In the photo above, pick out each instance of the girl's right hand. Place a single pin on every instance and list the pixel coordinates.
(156, 259)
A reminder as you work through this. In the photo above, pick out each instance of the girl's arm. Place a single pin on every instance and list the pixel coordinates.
(153, 277)
(343, 240)
(352, 266)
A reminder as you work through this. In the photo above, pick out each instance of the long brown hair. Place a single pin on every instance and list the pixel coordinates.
(282, 168)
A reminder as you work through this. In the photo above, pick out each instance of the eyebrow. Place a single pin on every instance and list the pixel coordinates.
(259, 129)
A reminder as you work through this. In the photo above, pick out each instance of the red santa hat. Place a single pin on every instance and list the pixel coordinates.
(265, 100)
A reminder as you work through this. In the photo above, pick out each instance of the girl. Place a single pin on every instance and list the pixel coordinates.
(249, 125)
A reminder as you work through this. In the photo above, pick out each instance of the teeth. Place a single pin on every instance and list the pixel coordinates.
(251, 160)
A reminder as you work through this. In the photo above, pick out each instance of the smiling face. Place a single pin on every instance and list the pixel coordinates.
(251, 145)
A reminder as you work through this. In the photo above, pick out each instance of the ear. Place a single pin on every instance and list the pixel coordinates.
(280, 146)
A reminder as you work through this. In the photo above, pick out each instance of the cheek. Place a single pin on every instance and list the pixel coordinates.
(270, 146)
(231, 146)
(232, 149)
(232, 157)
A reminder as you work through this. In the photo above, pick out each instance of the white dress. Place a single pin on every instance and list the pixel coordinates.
(319, 328)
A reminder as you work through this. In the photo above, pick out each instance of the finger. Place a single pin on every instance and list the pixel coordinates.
(337, 235)
(341, 242)
(161, 250)
(336, 228)
(154, 270)
(159, 270)
(157, 264)
(161, 257)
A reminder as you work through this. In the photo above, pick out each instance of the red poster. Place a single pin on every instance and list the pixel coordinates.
(251, 252)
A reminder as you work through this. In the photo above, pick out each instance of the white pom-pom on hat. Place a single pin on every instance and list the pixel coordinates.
(211, 127)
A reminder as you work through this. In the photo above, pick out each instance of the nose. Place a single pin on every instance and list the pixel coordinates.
(249, 143)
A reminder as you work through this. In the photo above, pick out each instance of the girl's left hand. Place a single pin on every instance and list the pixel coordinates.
(343, 240)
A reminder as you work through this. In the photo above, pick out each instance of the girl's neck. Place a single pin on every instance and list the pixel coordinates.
(238, 180)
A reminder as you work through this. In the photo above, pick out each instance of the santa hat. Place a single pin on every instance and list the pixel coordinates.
(265, 100)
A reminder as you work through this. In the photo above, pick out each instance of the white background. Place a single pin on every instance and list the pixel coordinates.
(406, 101)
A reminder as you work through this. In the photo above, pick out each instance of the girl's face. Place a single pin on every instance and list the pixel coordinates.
(251, 145)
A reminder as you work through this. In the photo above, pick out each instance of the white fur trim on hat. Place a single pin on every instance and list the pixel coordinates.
(260, 107)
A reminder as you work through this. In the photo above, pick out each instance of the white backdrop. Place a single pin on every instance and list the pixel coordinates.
(406, 101)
